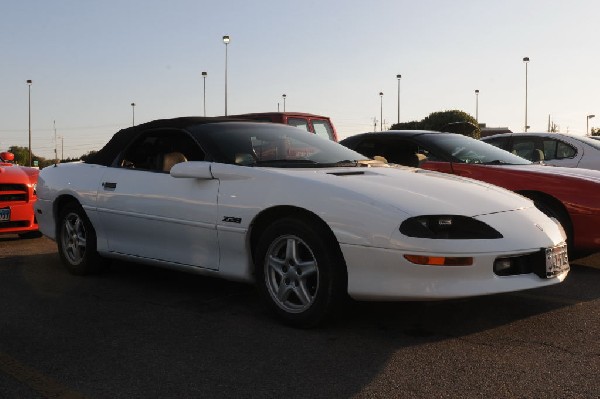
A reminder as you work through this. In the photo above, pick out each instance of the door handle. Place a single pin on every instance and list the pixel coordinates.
(109, 185)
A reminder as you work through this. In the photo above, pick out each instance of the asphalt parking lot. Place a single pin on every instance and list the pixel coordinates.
(141, 332)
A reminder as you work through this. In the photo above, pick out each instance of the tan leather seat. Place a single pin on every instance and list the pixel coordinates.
(537, 156)
(171, 159)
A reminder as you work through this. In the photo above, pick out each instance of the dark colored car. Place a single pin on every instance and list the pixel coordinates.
(570, 195)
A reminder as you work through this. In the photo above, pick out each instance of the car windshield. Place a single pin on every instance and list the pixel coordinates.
(272, 145)
(467, 150)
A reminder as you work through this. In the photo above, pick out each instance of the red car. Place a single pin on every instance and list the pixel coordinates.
(570, 195)
(17, 196)
(317, 124)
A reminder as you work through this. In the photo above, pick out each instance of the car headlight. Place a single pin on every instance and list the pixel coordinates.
(448, 227)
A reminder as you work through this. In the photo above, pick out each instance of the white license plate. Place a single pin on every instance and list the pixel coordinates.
(557, 260)
(4, 214)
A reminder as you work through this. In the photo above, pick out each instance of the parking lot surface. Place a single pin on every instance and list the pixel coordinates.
(135, 331)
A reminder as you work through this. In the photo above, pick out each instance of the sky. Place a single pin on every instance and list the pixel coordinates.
(89, 60)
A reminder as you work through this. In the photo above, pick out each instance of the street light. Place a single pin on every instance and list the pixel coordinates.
(526, 61)
(29, 83)
(477, 107)
(204, 95)
(587, 123)
(284, 96)
(226, 41)
(381, 112)
(398, 77)
(133, 114)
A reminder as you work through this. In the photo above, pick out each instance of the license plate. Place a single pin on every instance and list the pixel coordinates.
(557, 260)
(4, 214)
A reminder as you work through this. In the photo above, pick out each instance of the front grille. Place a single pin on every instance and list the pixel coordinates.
(10, 225)
(13, 193)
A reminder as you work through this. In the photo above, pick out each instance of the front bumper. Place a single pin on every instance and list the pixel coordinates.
(384, 274)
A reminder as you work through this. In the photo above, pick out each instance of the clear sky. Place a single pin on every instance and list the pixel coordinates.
(89, 60)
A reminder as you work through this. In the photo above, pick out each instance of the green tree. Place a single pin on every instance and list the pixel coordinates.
(454, 121)
(412, 125)
(21, 154)
(22, 157)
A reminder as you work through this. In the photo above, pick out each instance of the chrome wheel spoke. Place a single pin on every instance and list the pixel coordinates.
(283, 291)
(307, 269)
(303, 294)
(291, 249)
(276, 265)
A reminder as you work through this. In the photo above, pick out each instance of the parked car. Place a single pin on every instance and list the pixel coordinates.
(317, 124)
(556, 149)
(17, 196)
(572, 196)
(308, 220)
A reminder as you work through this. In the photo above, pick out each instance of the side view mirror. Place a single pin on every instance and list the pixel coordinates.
(192, 169)
(8, 157)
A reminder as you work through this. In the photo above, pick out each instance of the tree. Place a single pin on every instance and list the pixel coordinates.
(22, 157)
(454, 121)
(596, 131)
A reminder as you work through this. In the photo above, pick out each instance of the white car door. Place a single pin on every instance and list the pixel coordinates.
(147, 213)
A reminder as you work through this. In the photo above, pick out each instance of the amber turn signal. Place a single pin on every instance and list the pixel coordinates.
(439, 260)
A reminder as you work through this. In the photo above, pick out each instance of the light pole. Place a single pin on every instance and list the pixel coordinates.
(204, 95)
(526, 61)
(29, 83)
(226, 41)
(132, 114)
(477, 107)
(587, 124)
(381, 112)
(284, 96)
(398, 77)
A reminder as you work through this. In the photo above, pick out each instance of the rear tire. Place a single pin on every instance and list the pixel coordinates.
(76, 239)
(299, 272)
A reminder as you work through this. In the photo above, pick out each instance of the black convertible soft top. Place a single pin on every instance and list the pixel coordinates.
(107, 154)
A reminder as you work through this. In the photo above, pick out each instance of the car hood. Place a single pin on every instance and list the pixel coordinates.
(412, 191)
(18, 174)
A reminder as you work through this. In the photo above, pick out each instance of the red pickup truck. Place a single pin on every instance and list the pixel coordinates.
(317, 124)
(17, 196)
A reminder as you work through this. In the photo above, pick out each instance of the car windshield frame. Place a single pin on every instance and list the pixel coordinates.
(463, 149)
(272, 145)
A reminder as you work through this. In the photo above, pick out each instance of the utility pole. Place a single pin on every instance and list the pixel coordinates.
(55, 145)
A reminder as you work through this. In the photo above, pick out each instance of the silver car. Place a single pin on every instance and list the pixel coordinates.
(556, 149)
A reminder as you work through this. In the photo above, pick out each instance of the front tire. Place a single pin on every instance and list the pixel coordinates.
(76, 241)
(300, 272)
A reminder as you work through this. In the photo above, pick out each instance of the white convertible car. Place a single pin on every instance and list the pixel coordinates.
(306, 219)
